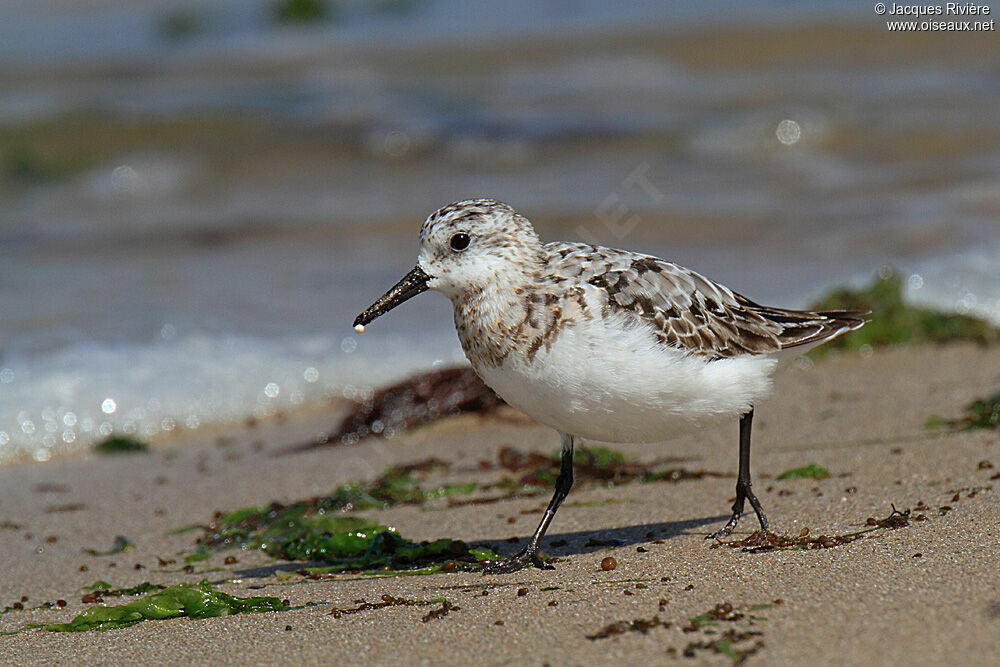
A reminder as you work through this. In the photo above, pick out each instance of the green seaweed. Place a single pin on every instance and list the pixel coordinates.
(121, 444)
(981, 413)
(395, 486)
(894, 322)
(120, 545)
(190, 600)
(302, 11)
(26, 165)
(104, 589)
(262, 526)
(592, 465)
(60, 147)
(811, 471)
(343, 543)
(733, 642)
(321, 529)
(598, 458)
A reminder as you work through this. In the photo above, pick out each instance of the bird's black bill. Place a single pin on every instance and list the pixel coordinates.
(412, 284)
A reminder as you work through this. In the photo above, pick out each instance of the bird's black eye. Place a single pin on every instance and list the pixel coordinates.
(459, 241)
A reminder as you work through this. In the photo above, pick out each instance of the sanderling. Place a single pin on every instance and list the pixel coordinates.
(602, 344)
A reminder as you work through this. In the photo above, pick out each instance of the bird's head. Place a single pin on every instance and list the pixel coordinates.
(465, 248)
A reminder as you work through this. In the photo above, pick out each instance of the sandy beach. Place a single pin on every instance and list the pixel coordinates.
(197, 199)
(925, 593)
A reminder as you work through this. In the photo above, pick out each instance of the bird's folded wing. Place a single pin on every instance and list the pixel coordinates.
(689, 311)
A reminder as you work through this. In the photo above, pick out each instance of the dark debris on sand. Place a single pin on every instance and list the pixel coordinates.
(761, 541)
(766, 541)
(417, 400)
(642, 625)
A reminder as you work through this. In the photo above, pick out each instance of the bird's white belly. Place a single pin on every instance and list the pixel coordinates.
(609, 380)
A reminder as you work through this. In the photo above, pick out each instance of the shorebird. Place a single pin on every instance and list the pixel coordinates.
(602, 344)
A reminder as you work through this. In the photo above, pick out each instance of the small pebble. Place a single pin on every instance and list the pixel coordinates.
(288, 628)
(608, 564)
(521, 592)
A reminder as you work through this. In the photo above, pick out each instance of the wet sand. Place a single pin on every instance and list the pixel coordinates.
(927, 593)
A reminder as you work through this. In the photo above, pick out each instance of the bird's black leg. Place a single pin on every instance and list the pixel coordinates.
(743, 490)
(529, 554)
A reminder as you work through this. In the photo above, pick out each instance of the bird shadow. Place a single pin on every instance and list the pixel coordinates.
(589, 541)
(554, 544)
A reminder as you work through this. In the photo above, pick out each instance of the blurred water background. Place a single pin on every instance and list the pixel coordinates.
(196, 197)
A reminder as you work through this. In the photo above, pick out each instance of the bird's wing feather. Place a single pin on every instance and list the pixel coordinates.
(689, 311)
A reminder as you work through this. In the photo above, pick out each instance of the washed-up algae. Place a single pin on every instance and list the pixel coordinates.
(981, 413)
(725, 630)
(316, 529)
(389, 601)
(422, 398)
(321, 529)
(760, 541)
(736, 643)
(120, 545)
(591, 466)
(342, 543)
(894, 322)
(99, 590)
(189, 600)
(811, 471)
(121, 444)
(641, 625)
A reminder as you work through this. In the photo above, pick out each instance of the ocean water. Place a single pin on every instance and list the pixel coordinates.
(190, 222)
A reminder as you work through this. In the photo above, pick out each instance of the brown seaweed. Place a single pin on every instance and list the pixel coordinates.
(417, 400)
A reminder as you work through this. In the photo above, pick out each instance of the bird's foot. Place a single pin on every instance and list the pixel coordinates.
(517, 561)
(727, 529)
(735, 518)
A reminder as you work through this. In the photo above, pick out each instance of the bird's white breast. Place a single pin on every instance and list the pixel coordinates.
(608, 379)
